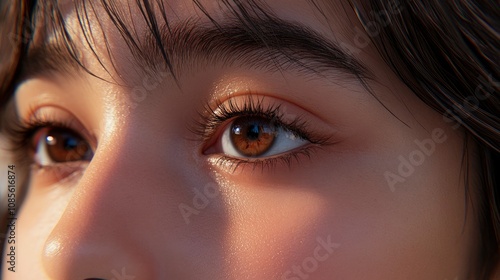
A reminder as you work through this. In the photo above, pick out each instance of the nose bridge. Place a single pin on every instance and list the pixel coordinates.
(128, 189)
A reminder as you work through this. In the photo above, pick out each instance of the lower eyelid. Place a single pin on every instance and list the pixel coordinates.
(291, 118)
(25, 137)
(231, 165)
(60, 173)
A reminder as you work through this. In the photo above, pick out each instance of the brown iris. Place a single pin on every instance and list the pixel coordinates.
(64, 145)
(252, 136)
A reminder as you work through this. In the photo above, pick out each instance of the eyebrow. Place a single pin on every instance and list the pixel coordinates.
(50, 57)
(268, 44)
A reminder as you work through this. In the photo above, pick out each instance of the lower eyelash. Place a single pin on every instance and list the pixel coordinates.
(231, 164)
(214, 118)
(19, 135)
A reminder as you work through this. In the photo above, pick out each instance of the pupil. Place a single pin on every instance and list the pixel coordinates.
(63, 145)
(252, 136)
(70, 143)
(253, 132)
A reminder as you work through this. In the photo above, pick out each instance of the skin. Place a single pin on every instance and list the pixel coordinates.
(121, 211)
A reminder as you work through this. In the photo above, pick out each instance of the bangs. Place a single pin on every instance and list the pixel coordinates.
(249, 31)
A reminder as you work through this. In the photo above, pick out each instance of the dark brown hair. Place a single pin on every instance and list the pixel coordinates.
(447, 52)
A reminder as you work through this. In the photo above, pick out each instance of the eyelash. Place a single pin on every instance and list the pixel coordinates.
(19, 134)
(214, 119)
(217, 117)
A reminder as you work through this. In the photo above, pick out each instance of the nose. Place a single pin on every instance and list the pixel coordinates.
(123, 220)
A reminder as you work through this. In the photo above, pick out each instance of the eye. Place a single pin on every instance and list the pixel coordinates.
(257, 137)
(53, 145)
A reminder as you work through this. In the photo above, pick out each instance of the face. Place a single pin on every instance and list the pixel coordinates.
(256, 161)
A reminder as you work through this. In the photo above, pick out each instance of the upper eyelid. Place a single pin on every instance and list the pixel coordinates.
(221, 112)
(214, 114)
(40, 119)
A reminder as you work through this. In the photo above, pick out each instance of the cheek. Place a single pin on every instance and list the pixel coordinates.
(343, 199)
(270, 229)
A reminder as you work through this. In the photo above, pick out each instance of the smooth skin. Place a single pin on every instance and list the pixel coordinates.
(332, 215)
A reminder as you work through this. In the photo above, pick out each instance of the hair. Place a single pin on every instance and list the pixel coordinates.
(445, 51)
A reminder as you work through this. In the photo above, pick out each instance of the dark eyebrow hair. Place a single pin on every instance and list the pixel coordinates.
(50, 57)
(265, 43)
(269, 44)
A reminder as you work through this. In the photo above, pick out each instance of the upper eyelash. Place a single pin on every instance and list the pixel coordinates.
(214, 117)
(19, 134)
